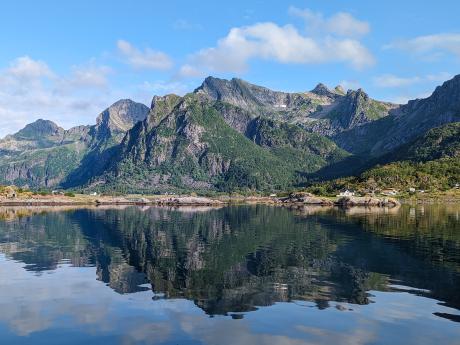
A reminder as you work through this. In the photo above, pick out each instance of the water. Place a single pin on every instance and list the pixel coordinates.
(234, 275)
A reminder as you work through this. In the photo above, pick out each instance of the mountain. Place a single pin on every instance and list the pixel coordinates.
(39, 129)
(42, 154)
(431, 161)
(320, 110)
(439, 142)
(230, 135)
(196, 143)
(405, 122)
(119, 118)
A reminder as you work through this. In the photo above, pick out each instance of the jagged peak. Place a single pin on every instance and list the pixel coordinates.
(223, 89)
(357, 93)
(164, 99)
(121, 115)
(446, 95)
(321, 90)
(215, 86)
(210, 82)
(452, 84)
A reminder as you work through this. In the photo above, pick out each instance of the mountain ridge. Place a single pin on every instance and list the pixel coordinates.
(226, 135)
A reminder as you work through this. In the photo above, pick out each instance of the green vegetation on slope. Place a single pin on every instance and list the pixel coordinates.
(41, 167)
(443, 141)
(441, 174)
(198, 149)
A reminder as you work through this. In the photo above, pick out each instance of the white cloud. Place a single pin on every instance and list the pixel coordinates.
(433, 44)
(188, 71)
(391, 80)
(147, 59)
(92, 75)
(283, 44)
(342, 23)
(87, 76)
(29, 90)
(26, 68)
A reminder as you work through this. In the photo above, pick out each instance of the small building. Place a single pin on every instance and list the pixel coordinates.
(346, 193)
(411, 190)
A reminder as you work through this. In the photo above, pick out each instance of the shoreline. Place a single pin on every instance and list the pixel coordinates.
(295, 199)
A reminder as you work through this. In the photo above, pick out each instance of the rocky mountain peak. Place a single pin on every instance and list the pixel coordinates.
(121, 116)
(321, 90)
(39, 129)
(448, 94)
(358, 95)
(161, 107)
(159, 101)
(443, 102)
(212, 87)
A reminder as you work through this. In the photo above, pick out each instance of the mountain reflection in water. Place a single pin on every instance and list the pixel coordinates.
(235, 260)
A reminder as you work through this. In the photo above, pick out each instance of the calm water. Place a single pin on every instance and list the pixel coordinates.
(235, 275)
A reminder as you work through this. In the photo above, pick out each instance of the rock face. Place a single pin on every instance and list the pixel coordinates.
(406, 122)
(119, 118)
(321, 110)
(196, 143)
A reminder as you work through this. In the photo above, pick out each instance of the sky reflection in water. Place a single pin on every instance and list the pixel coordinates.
(236, 275)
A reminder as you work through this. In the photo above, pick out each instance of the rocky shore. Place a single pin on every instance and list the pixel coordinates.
(351, 201)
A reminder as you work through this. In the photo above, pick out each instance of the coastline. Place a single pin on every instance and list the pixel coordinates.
(190, 200)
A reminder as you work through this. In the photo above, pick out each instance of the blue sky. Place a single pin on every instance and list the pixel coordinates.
(67, 61)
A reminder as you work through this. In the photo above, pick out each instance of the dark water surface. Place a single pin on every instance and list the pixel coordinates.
(234, 275)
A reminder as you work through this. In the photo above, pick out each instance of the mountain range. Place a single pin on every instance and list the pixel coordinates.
(230, 135)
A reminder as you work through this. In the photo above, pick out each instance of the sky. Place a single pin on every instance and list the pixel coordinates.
(68, 60)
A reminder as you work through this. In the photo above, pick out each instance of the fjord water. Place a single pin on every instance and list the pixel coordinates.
(231, 275)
